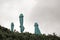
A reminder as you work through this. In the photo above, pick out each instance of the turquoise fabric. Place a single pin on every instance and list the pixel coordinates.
(37, 31)
(12, 26)
(21, 23)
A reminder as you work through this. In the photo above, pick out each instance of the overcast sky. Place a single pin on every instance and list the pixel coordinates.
(45, 12)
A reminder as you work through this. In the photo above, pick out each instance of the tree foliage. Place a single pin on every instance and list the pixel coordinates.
(6, 34)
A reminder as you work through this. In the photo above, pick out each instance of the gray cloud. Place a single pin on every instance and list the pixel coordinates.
(10, 11)
(47, 14)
